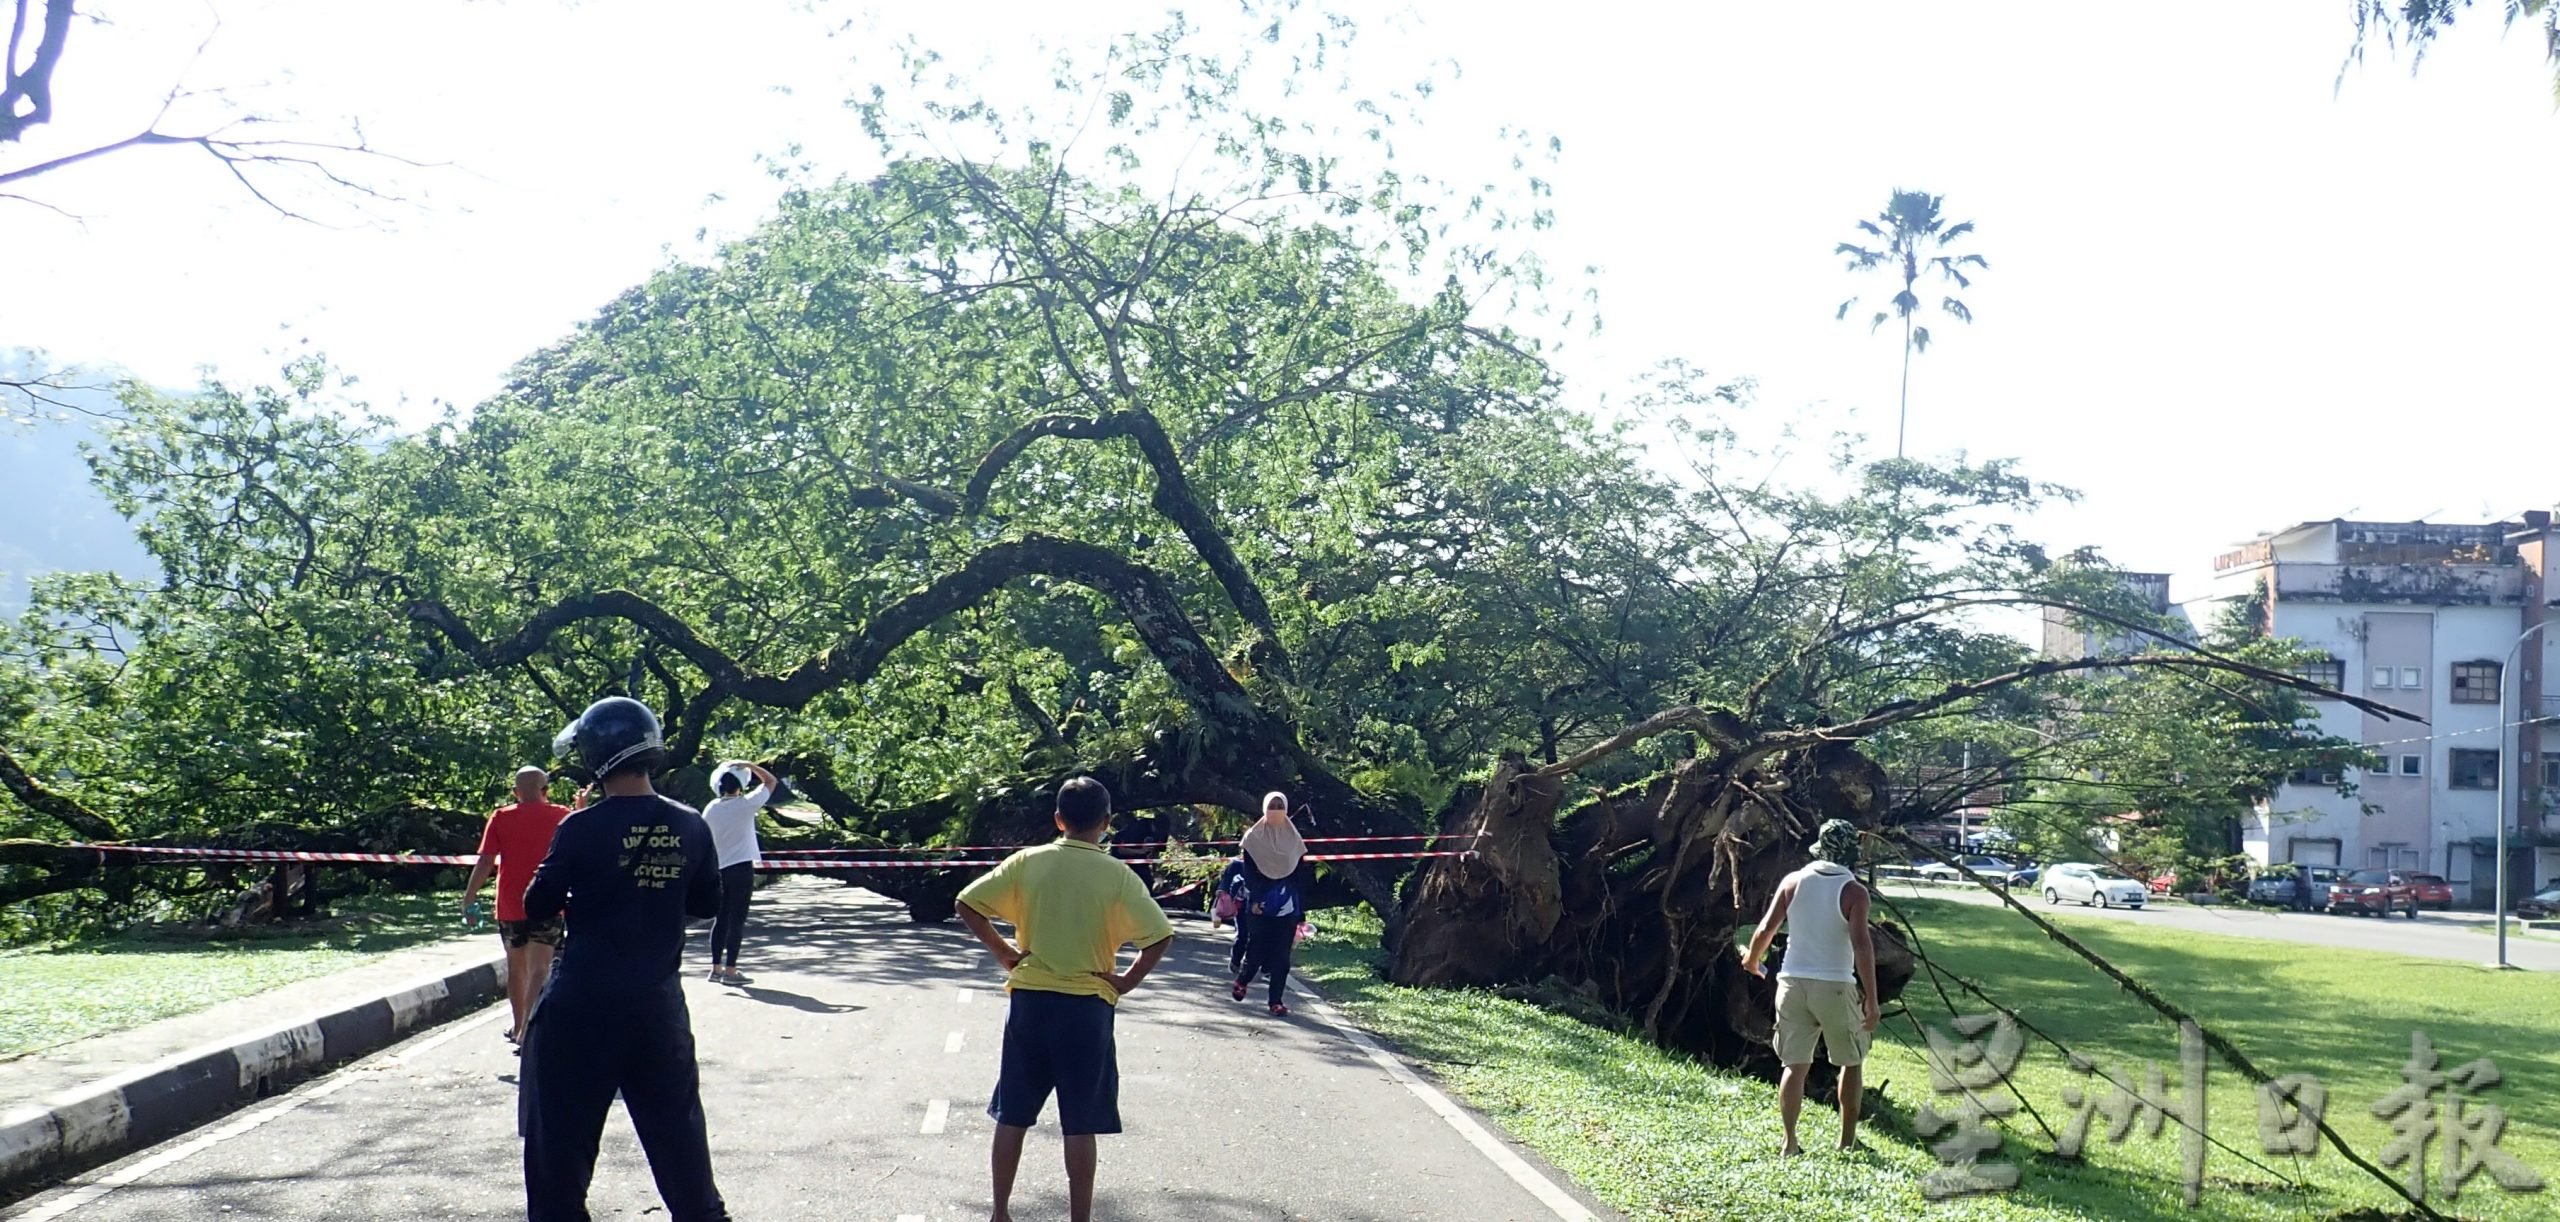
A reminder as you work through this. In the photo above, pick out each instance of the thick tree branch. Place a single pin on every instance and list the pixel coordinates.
(26, 94)
(1140, 593)
(891, 492)
(83, 822)
(1724, 729)
(1266, 753)
(1044, 728)
(1173, 499)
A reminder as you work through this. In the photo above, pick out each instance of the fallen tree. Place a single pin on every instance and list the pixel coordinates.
(1638, 897)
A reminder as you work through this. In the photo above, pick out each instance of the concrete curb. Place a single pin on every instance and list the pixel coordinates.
(104, 1120)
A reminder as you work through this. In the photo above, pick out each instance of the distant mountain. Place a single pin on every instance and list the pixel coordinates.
(51, 518)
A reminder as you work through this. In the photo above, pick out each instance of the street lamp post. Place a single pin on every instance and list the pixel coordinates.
(2504, 763)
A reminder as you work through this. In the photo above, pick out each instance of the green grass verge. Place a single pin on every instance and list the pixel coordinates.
(1660, 1136)
(54, 995)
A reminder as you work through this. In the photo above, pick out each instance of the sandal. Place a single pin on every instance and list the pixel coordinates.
(1279, 1010)
(1237, 992)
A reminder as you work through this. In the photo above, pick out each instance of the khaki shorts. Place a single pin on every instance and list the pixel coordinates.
(1827, 1009)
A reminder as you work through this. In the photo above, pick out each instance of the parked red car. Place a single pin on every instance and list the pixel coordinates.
(2374, 893)
(2433, 892)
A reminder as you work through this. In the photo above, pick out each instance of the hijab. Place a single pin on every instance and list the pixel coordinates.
(1273, 841)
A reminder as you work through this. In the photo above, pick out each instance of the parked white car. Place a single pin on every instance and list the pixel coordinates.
(2087, 884)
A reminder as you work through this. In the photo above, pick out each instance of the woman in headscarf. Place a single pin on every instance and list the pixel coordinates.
(1275, 873)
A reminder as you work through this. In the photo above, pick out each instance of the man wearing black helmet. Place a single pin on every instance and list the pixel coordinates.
(629, 870)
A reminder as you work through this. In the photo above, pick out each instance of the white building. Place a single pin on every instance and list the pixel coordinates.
(2066, 636)
(2418, 616)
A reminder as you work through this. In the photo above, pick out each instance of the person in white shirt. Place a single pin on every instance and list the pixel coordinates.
(1827, 980)
(732, 816)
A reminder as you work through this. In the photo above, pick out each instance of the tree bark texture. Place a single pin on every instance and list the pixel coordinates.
(1638, 899)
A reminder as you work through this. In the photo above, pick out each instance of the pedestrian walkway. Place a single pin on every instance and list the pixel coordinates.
(52, 1071)
(89, 1100)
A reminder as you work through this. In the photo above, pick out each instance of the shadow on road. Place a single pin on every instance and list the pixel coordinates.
(784, 997)
(833, 933)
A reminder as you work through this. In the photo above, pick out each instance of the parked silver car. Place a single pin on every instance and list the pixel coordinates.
(1991, 868)
(2086, 884)
(2279, 889)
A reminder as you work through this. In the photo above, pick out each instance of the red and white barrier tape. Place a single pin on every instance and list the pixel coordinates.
(778, 866)
(245, 855)
(242, 856)
(1116, 844)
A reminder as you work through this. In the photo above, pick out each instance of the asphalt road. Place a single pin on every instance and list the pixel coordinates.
(2433, 935)
(849, 1080)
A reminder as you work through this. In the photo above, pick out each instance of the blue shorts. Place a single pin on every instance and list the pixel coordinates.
(1062, 1044)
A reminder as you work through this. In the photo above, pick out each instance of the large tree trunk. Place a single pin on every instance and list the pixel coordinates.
(1637, 899)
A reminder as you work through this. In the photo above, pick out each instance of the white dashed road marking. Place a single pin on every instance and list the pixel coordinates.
(936, 1115)
(952, 1042)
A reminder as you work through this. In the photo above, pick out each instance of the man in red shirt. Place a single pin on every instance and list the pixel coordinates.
(515, 842)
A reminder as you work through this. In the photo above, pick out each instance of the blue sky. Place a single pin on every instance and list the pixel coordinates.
(2224, 297)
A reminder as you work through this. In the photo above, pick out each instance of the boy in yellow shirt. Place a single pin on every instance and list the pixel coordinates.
(1072, 906)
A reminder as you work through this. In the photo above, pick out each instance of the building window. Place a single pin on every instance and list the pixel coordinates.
(2324, 778)
(2382, 676)
(2330, 673)
(2475, 683)
(2551, 774)
(2413, 765)
(2467, 769)
(2413, 677)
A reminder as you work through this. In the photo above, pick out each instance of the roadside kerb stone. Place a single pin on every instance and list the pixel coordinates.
(77, 1129)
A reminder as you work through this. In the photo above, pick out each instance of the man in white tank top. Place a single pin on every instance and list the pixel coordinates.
(1827, 982)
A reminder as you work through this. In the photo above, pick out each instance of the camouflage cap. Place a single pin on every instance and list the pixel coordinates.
(1837, 840)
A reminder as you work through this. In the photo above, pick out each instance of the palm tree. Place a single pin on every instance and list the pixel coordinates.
(1915, 237)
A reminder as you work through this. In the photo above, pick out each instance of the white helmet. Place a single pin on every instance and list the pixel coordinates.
(745, 778)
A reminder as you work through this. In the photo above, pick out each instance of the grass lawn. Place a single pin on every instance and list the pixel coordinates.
(1660, 1136)
(54, 995)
